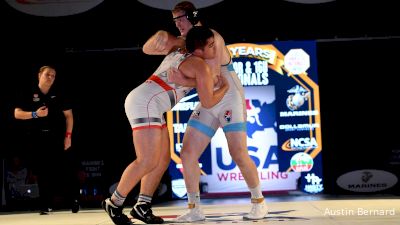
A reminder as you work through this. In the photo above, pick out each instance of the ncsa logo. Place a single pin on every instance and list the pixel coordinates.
(298, 144)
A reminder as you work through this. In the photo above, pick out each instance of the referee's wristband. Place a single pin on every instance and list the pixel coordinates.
(34, 115)
(68, 134)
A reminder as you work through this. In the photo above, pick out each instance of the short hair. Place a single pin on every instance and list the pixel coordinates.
(184, 6)
(197, 37)
(46, 67)
(192, 14)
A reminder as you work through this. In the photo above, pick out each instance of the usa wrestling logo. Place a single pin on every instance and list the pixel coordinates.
(195, 114)
(228, 115)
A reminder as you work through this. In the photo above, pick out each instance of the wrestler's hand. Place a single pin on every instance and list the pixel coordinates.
(160, 40)
(174, 75)
(221, 82)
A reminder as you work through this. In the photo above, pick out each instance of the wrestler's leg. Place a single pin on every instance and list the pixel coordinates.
(201, 127)
(194, 144)
(150, 181)
(237, 144)
(147, 144)
(238, 149)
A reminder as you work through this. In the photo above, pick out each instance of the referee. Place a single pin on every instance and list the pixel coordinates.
(47, 121)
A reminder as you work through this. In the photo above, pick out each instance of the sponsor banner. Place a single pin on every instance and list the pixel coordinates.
(291, 67)
(283, 121)
(368, 180)
(226, 176)
(224, 182)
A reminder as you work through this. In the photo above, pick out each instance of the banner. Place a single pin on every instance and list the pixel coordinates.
(283, 123)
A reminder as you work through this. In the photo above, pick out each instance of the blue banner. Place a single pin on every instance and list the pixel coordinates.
(283, 122)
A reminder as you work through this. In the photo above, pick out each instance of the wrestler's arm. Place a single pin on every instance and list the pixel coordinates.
(221, 55)
(201, 72)
(161, 43)
(177, 77)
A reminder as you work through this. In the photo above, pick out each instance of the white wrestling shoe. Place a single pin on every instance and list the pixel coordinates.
(258, 210)
(192, 215)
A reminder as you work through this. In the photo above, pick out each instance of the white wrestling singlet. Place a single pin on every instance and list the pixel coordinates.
(146, 104)
(229, 113)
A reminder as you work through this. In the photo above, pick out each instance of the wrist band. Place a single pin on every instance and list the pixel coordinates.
(34, 115)
(68, 134)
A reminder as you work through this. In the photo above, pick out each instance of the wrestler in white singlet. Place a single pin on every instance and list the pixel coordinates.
(146, 104)
(229, 113)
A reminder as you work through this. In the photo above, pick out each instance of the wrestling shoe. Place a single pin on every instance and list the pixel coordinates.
(75, 206)
(142, 211)
(45, 211)
(115, 213)
(258, 210)
(195, 213)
